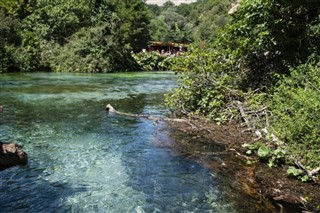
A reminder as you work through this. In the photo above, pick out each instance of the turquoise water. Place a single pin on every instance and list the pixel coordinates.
(83, 159)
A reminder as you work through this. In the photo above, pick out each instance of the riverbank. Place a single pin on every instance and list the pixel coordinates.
(272, 188)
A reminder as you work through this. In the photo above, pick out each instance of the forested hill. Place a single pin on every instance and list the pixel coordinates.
(73, 35)
(188, 23)
(177, 2)
(97, 36)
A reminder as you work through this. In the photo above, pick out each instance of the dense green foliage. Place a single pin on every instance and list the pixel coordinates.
(204, 88)
(98, 35)
(153, 61)
(8, 27)
(196, 22)
(81, 36)
(263, 70)
(295, 105)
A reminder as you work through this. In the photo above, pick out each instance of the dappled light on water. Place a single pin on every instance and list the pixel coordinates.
(83, 159)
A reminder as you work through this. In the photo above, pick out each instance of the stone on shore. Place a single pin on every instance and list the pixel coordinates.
(11, 155)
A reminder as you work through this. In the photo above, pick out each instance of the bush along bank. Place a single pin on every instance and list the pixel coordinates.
(262, 71)
(153, 61)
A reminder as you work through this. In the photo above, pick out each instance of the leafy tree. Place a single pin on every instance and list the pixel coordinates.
(170, 26)
(168, 4)
(263, 40)
(295, 105)
(134, 19)
(154, 9)
(269, 36)
(209, 17)
(18, 8)
(8, 40)
(51, 22)
(94, 49)
(199, 21)
(48, 27)
(159, 29)
(265, 60)
(117, 28)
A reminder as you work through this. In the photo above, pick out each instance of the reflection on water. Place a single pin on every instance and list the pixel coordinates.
(82, 159)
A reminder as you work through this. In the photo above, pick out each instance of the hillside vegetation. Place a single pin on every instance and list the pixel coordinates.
(262, 70)
(73, 35)
(188, 23)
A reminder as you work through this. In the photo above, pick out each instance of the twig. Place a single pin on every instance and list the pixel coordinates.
(309, 173)
(257, 111)
(243, 114)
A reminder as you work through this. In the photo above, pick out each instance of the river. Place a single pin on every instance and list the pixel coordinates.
(84, 159)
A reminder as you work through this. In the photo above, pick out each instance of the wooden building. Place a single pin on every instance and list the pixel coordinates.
(167, 47)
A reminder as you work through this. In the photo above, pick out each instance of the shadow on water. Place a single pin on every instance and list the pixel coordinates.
(169, 183)
(234, 177)
(83, 159)
(21, 190)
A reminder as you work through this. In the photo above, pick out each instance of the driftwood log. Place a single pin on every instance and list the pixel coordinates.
(110, 108)
(11, 155)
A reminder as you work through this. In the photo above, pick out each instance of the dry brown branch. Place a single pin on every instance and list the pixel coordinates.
(243, 114)
(309, 173)
(110, 108)
(257, 111)
(239, 154)
(258, 132)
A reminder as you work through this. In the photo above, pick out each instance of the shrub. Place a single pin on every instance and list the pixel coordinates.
(152, 61)
(92, 50)
(295, 106)
(204, 86)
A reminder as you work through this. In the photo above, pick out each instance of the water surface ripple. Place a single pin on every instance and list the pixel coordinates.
(82, 159)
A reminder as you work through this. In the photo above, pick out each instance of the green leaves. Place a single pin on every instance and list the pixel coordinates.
(74, 35)
(153, 61)
(294, 171)
(8, 36)
(296, 110)
(273, 157)
(202, 85)
(185, 23)
(264, 151)
(297, 173)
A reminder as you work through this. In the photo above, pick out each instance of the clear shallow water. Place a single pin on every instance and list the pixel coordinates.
(82, 159)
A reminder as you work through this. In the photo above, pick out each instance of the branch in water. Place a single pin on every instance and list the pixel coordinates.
(110, 108)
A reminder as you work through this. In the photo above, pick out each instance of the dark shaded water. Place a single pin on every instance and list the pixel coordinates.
(82, 159)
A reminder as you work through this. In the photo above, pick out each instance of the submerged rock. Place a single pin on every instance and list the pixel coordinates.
(11, 155)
